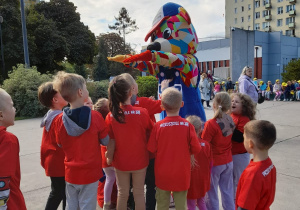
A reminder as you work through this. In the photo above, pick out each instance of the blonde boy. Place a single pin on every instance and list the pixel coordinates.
(173, 140)
(78, 131)
(256, 187)
(11, 196)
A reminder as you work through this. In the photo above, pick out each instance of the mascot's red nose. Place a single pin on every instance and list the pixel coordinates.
(154, 46)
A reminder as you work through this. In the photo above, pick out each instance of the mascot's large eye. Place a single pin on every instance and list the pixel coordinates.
(167, 33)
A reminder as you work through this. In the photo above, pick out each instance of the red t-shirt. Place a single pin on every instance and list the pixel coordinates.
(256, 188)
(52, 156)
(220, 145)
(131, 138)
(239, 121)
(82, 153)
(200, 175)
(152, 106)
(10, 169)
(173, 140)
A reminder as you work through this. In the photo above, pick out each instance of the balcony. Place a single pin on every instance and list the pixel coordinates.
(268, 6)
(267, 29)
(292, 12)
(291, 25)
(268, 17)
(292, 1)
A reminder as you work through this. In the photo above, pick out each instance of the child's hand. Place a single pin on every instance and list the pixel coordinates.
(108, 161)
(152, 98)
(164, 84)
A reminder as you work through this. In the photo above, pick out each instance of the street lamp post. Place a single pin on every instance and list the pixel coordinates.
(2, 52)
(24, 30)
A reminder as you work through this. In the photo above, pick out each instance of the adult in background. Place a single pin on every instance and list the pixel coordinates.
(211, 83)
(204, 87)
(246, 85)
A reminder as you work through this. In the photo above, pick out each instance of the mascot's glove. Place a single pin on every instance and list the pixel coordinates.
(119, 58)
(144, 56)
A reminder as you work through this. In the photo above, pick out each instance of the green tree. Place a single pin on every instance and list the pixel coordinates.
(292, 71)
(11, 34)
(80, 40)
(47, 46)
(100, 71)
(124, 24)
(81, 70)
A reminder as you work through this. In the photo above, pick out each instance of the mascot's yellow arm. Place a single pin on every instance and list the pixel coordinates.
(118, 58)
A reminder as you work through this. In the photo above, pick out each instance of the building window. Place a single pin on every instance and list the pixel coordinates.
(290, 32)
(279, 22)
(235, 20)
(235, 1)
(242, 19)
(249, 27)
(242, 8)
(266, 13)
(280, 10)
(279, 0)
(257, 4)
(265, 25)
(265, 2)
(235, 10)
(290, 7)
(257, 15)
(249, 6)
(249, 18)
(289, 20)
(257, 26)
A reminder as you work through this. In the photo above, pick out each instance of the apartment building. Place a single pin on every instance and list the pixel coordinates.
(27, 3)
(263, 15)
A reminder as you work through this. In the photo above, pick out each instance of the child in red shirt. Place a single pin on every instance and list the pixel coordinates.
(79, 131)
(11, 196)
(128, 130)
(218, 132)
(173, 140)
(101, 106)
(242, 111)
(52, 156)
(200, 175)
(256, 188)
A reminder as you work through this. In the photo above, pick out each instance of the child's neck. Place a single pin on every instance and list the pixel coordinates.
(76, 104)
(172, 114)
(127, 102)
(260, 155)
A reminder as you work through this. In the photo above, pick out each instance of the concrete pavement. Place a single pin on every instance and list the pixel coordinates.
(284, 154)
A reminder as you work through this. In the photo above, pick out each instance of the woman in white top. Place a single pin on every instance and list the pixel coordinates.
(204, 87)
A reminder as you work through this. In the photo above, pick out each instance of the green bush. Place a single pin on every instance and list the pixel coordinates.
(98, 89)
(22, 84)
(291, 71)
(147, 86)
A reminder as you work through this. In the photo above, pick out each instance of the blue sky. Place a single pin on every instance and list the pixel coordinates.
(207, 16)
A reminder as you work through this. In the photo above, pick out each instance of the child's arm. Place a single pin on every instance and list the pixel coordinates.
(110, 151)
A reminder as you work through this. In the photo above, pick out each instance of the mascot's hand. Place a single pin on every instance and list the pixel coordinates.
(144, 56)
(119, 58)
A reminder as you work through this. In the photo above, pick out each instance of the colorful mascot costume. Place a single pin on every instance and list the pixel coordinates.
(170, 56)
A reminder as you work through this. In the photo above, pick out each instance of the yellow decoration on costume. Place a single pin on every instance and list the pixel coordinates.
(118, 58)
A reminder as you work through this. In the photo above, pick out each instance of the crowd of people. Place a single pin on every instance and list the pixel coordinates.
(183, 159)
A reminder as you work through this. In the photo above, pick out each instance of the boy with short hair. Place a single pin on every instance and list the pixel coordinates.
(52, 156)
(78, 131)
(173, 140)
(11, 196)
(256, 187)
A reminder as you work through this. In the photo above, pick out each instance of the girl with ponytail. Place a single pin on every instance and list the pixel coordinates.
(128, 128)
(218, 131)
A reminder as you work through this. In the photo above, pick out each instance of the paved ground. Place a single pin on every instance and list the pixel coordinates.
(285, 155)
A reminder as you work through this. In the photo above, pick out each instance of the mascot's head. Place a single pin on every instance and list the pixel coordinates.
(172, 31)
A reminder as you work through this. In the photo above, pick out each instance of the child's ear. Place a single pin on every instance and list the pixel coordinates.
(162, 107)
(251, 144)
(182, 103)
(1, 116)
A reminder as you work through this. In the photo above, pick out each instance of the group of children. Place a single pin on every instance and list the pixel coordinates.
(227, 86)
(289, 91)
(174, 156)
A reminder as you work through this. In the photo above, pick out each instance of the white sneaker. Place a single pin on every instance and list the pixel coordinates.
(274, 99)
(290, 99)
(284, 99)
